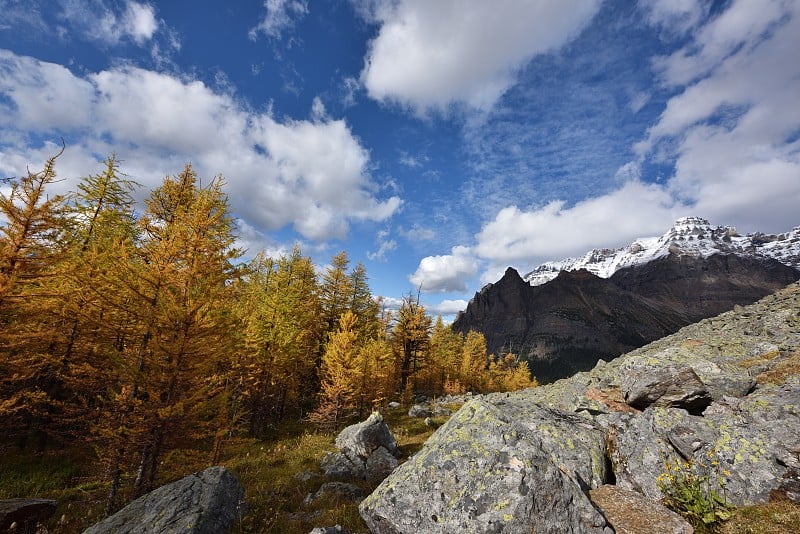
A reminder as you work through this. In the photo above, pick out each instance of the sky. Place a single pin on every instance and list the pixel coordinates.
(438, 142)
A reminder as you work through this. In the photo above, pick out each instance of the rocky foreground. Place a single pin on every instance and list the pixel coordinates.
(720, 397)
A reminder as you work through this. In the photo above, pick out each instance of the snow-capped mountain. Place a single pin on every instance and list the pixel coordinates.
(693, 236)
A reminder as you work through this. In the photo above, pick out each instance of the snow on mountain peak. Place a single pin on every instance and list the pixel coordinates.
(693, 236)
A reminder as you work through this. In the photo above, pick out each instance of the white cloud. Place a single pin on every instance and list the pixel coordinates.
(386, 245)
(446, 307)
(419, 233)
(428, 55)
(732, 131)
(445, 273)
(313, 175)
(280, 16)
(526, 238)
(675, 16)
(97, 21)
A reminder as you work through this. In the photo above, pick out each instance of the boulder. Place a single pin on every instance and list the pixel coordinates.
(206, 502)
(485, 471)
(363, 438)
(339, 491)
(25, 512)
(368, 450)
(675, 387)
(339, 464)
(380, 464)
(629, 512)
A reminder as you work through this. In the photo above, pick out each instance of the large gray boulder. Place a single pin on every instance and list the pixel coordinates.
(367, 450)
(487, 471)
(207, 502)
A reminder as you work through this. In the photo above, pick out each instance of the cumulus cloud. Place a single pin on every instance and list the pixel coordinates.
(280, 16)
(526, 238)
(428, 55)
(445, 273)
(311, 174)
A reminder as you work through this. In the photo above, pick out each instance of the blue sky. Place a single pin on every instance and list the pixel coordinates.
(438, 142)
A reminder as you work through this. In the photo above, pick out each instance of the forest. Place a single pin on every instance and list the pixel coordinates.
(126, 326)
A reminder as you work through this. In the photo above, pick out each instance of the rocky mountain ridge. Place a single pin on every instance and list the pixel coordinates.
(567, 324)
(693, 236)
(719, 398)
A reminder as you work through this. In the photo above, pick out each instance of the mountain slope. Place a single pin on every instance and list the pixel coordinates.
(693, 236)
(570, 322)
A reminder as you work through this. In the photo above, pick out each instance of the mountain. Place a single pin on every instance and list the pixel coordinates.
(616, 301)
(693, 236)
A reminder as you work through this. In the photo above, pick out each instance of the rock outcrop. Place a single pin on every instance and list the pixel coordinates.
(367, 450)
(530, 460)
(207, 502)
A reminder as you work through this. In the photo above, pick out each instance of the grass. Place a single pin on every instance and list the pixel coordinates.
(266, 468)
(777, 517)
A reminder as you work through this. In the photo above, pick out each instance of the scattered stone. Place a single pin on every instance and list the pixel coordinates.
(394, 405)
(330, 530)
(25, 512)
(419, 410)
(305, 476)
(339, 491)
(207, 502)
(428, 421)
(629, 512)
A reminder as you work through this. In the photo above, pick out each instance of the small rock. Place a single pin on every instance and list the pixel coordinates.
(305, 476)
(363, 438)
(25, 512)
(330, 530)
(342, 491)
(393, 405)
(630, 512)
(428, 421)
(419, 410)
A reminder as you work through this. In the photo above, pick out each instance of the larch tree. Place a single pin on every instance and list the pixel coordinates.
(339, 382)
(410, 339)
(31, 243)
(280, 311)
(176, 284)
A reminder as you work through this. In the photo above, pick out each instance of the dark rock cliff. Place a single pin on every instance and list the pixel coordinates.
(569, 323)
